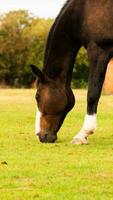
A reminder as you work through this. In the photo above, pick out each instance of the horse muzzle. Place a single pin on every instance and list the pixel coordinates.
(47, 138)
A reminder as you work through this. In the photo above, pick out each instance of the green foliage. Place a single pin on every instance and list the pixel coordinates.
(22, 42)
(22, 39)
(81, 69)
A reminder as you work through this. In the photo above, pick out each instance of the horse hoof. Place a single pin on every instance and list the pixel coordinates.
(79, 141)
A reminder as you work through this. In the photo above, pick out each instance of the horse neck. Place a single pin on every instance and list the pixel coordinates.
(61, 50)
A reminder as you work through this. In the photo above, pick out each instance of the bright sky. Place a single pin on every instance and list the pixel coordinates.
(41, 8)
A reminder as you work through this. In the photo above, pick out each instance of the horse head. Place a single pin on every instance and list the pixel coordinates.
(54, 101)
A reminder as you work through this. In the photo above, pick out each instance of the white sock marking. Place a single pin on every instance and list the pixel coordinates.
(90, 123)
(38, 121)
(88, 128)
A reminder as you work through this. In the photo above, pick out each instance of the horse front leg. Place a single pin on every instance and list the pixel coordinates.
(98, 59)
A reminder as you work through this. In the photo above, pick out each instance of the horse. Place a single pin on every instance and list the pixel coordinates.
(87, 23)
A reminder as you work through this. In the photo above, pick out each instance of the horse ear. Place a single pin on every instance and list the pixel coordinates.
(37, 72)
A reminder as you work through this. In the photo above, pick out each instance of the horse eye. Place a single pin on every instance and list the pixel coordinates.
(37, 97)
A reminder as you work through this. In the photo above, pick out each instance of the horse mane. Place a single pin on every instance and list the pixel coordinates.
(52, 30)
(64, 6)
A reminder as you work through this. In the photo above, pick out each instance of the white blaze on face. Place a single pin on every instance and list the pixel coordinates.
(38, 122)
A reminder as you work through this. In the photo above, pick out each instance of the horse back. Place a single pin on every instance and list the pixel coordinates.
(97, 22)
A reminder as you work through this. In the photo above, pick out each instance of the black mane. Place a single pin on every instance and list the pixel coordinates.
(52, 30)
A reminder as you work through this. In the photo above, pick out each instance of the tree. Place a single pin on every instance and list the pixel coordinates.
(81, 70)
(22, 39)
(14, 44)
(22, 42)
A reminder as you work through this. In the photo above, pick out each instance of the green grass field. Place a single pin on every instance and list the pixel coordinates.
(30, 170)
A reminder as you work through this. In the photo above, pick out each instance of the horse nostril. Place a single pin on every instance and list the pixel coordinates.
(42, 137)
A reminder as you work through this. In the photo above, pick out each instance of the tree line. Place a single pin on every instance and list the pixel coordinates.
(22, 42)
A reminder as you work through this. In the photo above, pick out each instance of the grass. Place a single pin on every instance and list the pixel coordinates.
(30, 170)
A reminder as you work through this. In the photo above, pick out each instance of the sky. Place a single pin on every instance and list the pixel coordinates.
(40, 8)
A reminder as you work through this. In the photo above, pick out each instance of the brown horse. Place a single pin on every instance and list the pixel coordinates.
(87, 23)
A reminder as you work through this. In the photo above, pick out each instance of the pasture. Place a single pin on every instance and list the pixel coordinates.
(61, 171)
